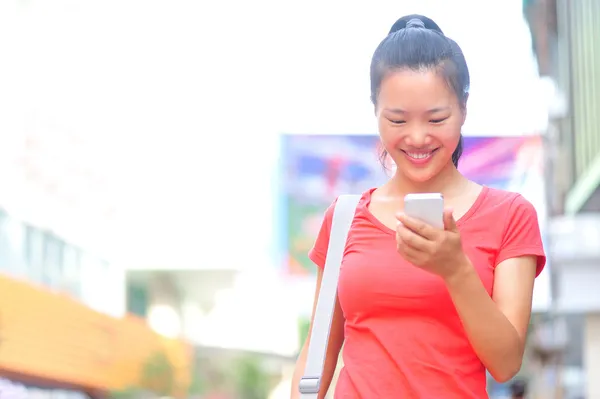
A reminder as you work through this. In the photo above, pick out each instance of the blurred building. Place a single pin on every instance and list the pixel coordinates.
(229, 315)
(565, 38)
(63, 326)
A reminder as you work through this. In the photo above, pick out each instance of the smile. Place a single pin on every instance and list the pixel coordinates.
(420, 155)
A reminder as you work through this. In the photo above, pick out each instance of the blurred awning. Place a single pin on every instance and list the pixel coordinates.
(51, 339)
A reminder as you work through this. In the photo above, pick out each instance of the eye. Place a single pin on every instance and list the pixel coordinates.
(437, 121)
(397, 122)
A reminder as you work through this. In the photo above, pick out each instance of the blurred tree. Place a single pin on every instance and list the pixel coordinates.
(158, 375)
(303, 328)
(198, 384)
(127, 393)
(250, 378)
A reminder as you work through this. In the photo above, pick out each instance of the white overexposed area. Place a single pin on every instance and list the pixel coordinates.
(177, 107)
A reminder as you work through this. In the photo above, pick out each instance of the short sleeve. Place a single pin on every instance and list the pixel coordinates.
(318, 252)
(522, 236)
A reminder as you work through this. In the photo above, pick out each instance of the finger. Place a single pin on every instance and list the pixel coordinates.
(409, 254)
(419, 227)
(449, 222)
(412, 239)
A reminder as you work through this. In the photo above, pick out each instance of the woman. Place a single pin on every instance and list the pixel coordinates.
(422, 312)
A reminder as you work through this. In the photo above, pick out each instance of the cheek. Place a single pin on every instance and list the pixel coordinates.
(447, 135)
(387, 132)
(391, 137)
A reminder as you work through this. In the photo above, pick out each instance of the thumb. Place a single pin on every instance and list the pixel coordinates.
(449, 222)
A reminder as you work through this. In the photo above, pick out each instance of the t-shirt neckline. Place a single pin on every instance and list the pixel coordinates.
(367, 200)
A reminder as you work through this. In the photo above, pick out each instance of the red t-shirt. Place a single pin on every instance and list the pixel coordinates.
(403, 336)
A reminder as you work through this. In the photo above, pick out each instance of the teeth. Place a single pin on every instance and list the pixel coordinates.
(419, 155)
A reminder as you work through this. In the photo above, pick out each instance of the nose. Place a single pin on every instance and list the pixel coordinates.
(418, 137)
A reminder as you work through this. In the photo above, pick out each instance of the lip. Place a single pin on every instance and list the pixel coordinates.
(420, 161)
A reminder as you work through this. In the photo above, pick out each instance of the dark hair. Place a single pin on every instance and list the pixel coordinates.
(416, 42)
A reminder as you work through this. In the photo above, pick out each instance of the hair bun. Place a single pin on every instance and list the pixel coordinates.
(415, 21)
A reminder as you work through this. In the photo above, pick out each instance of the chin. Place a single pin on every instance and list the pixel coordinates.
(416, 174)
(422, 173)
(419, 177)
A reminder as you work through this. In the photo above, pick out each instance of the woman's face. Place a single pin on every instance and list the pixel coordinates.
(420, 122)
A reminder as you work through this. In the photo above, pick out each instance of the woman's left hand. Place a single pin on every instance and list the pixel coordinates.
(437, 251)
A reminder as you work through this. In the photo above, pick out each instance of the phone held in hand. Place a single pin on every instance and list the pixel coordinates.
(428, 208)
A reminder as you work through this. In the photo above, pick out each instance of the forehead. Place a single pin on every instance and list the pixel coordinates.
(410, 89)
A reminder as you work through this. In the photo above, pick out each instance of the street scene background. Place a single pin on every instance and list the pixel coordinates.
(165, 166)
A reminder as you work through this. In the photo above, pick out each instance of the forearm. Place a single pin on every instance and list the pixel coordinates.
(493, 337)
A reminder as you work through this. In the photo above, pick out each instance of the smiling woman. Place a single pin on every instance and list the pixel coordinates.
(424, 310)
(414, 91)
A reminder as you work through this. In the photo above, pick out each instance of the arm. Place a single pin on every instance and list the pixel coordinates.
(336, 339)
(496, 326)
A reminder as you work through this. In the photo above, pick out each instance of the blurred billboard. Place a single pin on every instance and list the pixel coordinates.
(318, 168)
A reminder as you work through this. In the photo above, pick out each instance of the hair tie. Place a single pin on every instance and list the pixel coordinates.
(415, 23)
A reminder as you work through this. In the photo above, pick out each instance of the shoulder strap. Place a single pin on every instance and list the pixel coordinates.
(343, 214)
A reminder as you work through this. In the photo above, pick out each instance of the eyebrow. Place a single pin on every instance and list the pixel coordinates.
(431, 111)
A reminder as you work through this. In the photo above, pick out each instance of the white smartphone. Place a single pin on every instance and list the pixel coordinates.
(426, 207)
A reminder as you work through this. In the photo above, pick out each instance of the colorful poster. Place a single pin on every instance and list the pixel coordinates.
(318, 168)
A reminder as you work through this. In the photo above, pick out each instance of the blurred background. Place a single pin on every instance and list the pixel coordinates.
(164, 168)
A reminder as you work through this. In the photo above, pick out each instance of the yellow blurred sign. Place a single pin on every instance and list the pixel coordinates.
(50, 337)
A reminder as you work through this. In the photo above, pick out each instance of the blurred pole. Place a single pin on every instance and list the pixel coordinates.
(550, 338)
(557, 340)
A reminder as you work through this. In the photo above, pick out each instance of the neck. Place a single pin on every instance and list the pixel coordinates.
(449, 182)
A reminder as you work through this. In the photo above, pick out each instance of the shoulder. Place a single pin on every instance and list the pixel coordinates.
(506, 202)
(504, 212)
(329, 211)
(319, 251)
(365, 198)
(502, 197)
(510, 223)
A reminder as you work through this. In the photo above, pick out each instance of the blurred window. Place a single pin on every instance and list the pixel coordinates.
(53, 259)
(4, 242)
(137, 299)
(34, 254)
(12, 238)
(71, 269)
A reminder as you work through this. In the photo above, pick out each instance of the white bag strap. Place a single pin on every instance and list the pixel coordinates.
(343, 214)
